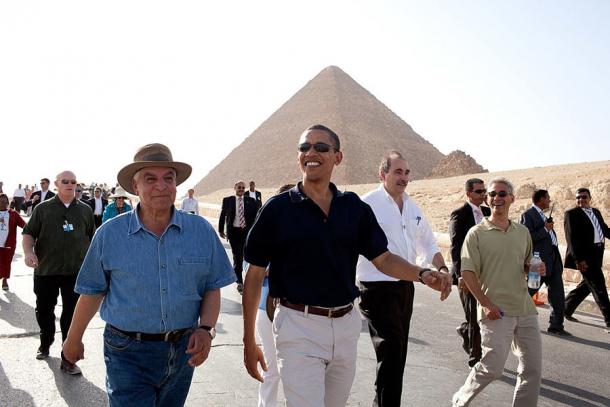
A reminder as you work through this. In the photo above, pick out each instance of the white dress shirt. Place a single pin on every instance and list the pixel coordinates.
(236, 220)
(477, 212)
(544, 219)
(190, 205)
(409, 234)
(98, 206)
(252, 194)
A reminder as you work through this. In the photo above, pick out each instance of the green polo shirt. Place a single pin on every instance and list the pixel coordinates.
(60, 252)
(497, 257)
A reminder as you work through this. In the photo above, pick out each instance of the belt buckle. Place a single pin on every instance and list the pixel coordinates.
(330, 313)
(167, 336)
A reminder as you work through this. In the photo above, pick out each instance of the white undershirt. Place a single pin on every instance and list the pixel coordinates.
(4, 218)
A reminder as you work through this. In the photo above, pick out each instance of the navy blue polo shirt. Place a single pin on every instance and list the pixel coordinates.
(311, 257)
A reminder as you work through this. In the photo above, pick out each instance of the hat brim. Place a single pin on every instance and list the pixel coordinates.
(125, 175)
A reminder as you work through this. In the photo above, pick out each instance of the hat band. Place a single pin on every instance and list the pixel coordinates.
(157, 157)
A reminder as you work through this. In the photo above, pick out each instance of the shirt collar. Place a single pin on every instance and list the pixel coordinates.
(538, 209)
(297, 195)
(489, 226)
(135, 224)
(405, 196)
(474, 207)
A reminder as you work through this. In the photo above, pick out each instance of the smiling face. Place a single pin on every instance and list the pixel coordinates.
(583, 200)
(156, 187)
(499, 204)
(397, 178)
(318, 166)
(240, 188)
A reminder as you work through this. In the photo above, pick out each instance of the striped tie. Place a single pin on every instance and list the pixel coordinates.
(552, 231)
(596, 225)
(240, 213)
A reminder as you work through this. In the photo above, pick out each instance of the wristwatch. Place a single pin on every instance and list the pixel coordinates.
(421, 273)
(443, 267)
(209, 329)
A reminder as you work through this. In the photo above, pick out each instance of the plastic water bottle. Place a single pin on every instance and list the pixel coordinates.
(533, 278)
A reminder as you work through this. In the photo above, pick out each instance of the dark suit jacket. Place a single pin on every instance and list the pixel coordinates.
(30, 202)
(461, 221)
(91, 203)
(541, 239)
(227, 213)
(579, 236)
(259, 197)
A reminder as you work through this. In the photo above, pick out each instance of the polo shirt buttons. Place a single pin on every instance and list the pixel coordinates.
(163, 266)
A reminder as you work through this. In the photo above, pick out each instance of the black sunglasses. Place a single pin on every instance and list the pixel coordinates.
(581, 197)
(479, 191)
(68, 181)
(501, 194)
(319, 147)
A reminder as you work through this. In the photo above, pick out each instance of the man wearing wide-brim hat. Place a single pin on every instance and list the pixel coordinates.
(157, 273)
(118, 206)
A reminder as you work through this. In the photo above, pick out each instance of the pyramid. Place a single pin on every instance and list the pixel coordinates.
(366, 127)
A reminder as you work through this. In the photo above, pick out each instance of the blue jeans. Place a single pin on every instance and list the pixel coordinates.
(146, 373)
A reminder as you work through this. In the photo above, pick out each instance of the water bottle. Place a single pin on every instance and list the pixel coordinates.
(533, 278)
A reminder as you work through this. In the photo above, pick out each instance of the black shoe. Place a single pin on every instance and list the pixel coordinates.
(558, 331)
(570, 318)
(42, 353)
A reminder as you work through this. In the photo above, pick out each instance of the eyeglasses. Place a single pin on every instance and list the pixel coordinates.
(68, 181)
(319, 147)
(79, 190)
(501, 194)
(240, 188)
(479, 191)
(581, 197)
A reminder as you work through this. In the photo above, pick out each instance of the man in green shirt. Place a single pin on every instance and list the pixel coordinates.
(55, 242)
(495, 258)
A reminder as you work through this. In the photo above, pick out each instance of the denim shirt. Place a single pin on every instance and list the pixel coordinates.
(154, 284)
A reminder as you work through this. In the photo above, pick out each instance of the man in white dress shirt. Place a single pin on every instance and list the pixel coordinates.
(386, 302)
(190, 204)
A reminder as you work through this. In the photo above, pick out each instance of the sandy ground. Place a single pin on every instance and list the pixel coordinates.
(438, 197)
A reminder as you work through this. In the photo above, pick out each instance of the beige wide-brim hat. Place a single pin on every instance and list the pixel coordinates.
(119, 193)
(152, 155)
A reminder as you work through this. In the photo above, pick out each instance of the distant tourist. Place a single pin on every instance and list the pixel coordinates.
(9, 220)
(118, 206)
(310, 237)
(19, 199)
(387, 302)
(238, 212)
(190, 204)
(586, 232)
(55, 241)
(495, 259)
(545, 243)
(78, 194)
(157, 273)
(42, 195)
(98, 205)
(471, 213)
(253, 193)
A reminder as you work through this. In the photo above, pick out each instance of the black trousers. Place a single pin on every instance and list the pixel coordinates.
(47, 289)
(469, 330)
(237, 239)
(592, 282)
(98, 220)
(387, 306)
(557, 296)
(19, 201)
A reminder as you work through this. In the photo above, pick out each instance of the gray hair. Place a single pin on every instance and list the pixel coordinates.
(502, 180)
(386, 161)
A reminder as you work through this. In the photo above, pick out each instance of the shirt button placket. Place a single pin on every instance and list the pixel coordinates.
(163, 279)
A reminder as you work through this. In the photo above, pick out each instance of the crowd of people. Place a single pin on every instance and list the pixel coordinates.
(155, 273)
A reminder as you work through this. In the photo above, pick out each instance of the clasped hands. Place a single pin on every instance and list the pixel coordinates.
(439, 281)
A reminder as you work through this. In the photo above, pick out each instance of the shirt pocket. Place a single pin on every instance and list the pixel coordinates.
(192, 274)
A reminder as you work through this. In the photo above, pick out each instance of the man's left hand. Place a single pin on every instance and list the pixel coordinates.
(199, 347)
(440, 281)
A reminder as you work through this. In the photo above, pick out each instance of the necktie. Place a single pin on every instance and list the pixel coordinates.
(240, 213)
(596, 225)
(478, 215)
(551, 232)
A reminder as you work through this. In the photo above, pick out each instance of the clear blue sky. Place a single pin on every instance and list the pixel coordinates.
(82, 84)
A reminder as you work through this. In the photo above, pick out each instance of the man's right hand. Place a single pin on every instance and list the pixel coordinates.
(252, 356)
(36, 198)
(548, 226)
(73, 350)
(492, 311)
(31, 260)
(582, 266)
(462, 285)
(222, 234)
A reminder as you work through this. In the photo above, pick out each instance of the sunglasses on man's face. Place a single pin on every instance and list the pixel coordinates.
(583, 197)
(68, 181)
(479, 191)
(501, 194)
(319, 147)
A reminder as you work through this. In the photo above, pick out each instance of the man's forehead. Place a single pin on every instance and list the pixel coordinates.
(315, 135)
(498, 185)
(66, 175)
(158, 171)
(398, 163)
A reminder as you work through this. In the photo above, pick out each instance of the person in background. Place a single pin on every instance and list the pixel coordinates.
(42, 195)
(9, 220)
(253, 193)
(19, 199)
(190, 204)
(98, 205)
(117, 207)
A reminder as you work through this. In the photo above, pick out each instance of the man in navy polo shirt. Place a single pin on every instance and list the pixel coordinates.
(310, 238)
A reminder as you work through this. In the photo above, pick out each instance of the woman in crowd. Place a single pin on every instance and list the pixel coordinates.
(119, 205)
(9, 220)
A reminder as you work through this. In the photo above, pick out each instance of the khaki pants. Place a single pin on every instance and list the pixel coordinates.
(496, 339)
(316, 356)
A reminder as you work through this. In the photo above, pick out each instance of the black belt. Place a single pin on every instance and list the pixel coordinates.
(325, 312)
(598, 244)
(171, 336)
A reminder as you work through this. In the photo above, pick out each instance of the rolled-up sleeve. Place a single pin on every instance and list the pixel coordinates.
(257, 250)
(471, 256)
(92, 278)
(372, 240)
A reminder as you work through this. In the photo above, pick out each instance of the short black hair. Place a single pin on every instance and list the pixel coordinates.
(45, 180)
(469, 186)
(539, 194)
(333, 136)
(580, 190)
(4, 196)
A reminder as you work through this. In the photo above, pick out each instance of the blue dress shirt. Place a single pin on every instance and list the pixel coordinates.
(154, 284)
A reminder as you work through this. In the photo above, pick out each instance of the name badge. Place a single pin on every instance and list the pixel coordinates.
(68, 227)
